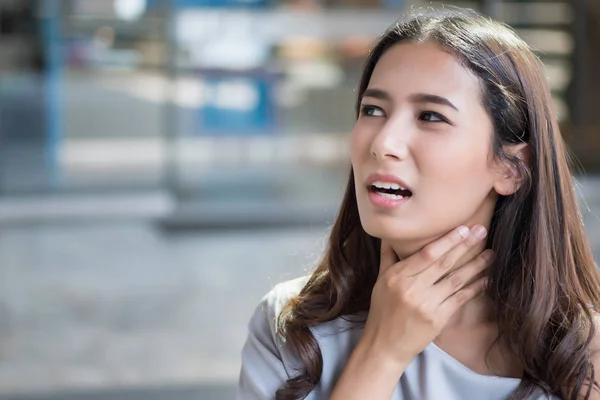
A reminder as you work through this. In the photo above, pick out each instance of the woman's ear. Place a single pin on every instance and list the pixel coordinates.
(509, 177)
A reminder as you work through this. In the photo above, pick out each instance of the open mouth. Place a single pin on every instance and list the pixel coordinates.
(390, 190)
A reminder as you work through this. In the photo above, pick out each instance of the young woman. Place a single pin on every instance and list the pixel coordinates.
(458, 267)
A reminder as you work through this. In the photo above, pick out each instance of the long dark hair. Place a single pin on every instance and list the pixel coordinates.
(544, 281)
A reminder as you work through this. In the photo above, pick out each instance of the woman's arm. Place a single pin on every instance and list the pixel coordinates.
(368, 375)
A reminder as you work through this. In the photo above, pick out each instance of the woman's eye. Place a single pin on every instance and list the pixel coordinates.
(430, 116)
(371, 111)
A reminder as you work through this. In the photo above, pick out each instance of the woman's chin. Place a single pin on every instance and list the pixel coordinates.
(405, 240)
(388, 233)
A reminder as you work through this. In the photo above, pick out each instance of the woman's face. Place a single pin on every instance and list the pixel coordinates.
(422, 127)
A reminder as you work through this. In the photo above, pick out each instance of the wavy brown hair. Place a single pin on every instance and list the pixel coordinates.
(544, 281)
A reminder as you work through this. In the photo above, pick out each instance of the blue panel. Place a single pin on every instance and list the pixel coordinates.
(237, 106)
(50, 25)
(394, 4)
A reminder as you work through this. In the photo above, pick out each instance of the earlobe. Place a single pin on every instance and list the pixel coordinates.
(510, 178)
(507, 184)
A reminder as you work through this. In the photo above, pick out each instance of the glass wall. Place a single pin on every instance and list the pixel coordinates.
(204, 97)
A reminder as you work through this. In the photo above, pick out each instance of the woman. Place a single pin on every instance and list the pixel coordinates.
(458, 267)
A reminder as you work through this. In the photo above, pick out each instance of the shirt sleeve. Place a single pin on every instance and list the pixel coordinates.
(263, 371)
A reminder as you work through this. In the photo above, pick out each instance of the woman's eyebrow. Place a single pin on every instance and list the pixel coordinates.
(415, 98)
(377, 94)
(431, 98)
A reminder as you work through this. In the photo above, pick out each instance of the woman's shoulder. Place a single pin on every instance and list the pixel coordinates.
(269, 308)
(266, 362)
(273, 302)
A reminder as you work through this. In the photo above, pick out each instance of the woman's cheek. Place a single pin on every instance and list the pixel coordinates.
(359, 145)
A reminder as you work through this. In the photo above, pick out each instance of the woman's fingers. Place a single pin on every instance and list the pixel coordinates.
(461, 277)
(459, 298)
(448, 261)
(434, 252)
(388, 257)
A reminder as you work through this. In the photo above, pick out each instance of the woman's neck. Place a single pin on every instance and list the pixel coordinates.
(477, 310)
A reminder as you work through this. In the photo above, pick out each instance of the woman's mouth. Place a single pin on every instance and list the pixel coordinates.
(388, 194)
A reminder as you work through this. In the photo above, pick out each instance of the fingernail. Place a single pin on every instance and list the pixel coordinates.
(463, 231)
(479, 232)
(486, 282)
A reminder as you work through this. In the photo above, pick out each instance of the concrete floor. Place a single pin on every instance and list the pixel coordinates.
(183, 392)
(124, 305)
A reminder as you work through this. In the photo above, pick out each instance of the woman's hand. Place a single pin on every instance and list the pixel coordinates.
(413, 299)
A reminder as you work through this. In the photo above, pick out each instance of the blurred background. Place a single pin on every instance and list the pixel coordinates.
(164, 163)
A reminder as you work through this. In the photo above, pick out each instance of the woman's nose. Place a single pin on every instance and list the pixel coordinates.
(390, 143)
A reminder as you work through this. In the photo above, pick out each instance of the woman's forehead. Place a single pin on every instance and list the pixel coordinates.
(411, 67)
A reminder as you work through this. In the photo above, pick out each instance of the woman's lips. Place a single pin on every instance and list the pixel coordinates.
(386, 200)
(387, 178)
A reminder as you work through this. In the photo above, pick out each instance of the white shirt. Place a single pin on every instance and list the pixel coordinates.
(433, 374)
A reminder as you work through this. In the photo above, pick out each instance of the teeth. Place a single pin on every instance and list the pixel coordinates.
(387, 185)
(391, 196)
